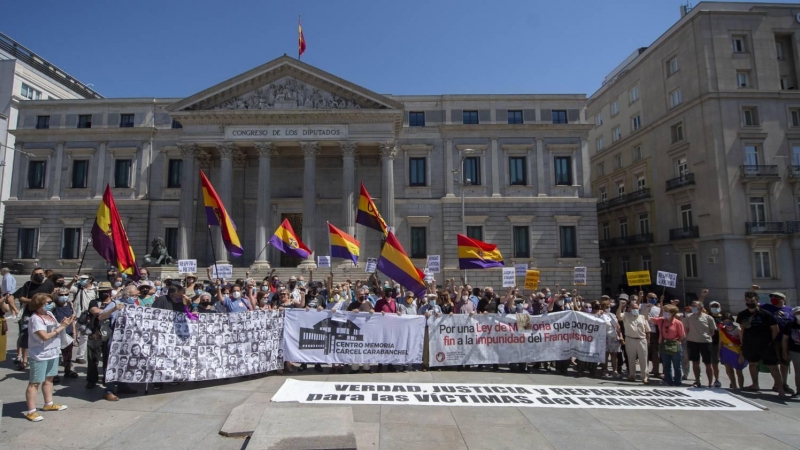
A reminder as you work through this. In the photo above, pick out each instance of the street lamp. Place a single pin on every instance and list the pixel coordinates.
(462, 182)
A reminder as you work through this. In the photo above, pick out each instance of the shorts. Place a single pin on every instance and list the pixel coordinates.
(612, 344)
(698, 349)
(652, 347)
(763, 353)
(715, 353)
(40, 370)
(777, 345)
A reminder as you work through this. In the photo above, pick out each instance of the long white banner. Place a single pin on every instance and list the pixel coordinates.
(502, 339)
(516, 395)
(155, 345)
(352, 338)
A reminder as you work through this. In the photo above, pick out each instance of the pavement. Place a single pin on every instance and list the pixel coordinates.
(190, 416)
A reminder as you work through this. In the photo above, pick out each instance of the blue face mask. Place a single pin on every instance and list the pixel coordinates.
(694, 310)
(714, 310)
(63, 298)
(635, 312)
(49, 306)
(433, 302)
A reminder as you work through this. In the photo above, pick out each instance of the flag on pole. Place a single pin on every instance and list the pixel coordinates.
(474, 254)
(301, 41)
(287, 242)
(109, 237)
(368, 214)
(342, 244)
(217, 216)
(395, 264)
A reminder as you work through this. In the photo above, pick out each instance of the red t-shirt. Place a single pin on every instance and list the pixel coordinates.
(672, 331)
(387, 306)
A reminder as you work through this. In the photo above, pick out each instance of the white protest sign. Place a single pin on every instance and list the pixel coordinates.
(222, 271)
(520, 269)
(187, 266)
(666, 279)
(507, 394)
(580, 276)
(434, 263)
(323, 261)
(428, 275)
(509, 277)
(372, 264)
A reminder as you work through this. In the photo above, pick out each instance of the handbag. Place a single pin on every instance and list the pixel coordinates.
(668, 346)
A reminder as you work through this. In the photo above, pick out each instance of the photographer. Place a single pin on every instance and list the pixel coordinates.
(97, 329)
(82, 292)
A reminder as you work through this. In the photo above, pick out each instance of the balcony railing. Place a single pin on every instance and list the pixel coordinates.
(793, 227)
(637, 239)
(605, 243)
(751, 171)
(794, 172)
(765, 228)
(618, 242)
(625, 199)
(686, 179)
(677, 234)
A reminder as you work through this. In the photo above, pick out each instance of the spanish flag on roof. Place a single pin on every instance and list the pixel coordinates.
(342, 244)
(109, 237)
(217, 216)
(287, 242)
(474, 254)
(395, 264)
(368, 214)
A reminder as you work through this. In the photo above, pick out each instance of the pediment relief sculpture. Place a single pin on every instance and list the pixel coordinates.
(288, 93)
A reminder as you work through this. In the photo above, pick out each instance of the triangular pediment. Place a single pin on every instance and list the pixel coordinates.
(285, 84)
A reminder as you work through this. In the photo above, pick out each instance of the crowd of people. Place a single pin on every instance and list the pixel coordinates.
(71, 320)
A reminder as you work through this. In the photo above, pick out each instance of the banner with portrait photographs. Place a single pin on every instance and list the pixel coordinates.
(160, 346)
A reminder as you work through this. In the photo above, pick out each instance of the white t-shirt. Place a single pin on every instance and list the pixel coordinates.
(39, 350)
(654, 312)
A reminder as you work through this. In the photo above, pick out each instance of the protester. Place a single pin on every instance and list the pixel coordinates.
(758, 331)
(613, 337)
(652, 310)
(82, 292)
(7, 287)
(637, 335)
(791, 346)
(4, 308)
(38, 284)
(98, 333)
(111, 310)
(700, 329)
(716, 313)
(63, 310)
(671, 336)
(783, 317)
(44, 345)
(730, 349)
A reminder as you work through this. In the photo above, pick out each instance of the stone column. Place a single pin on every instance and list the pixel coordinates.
(19, 175)
(348, 194)
(310, 152)
(263, 205)
(388, 152)
(540, 178)
(495, 170)
(55, 186)
(448, 168)
(585, 172)
(100, 180)
(223, 187)
(186, 218)
(144, 169)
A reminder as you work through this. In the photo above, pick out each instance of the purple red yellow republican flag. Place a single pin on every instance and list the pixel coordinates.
(395, 264)
(301, 40)
(287, 241)
(110, 240)
(368, 214)
(217, 216)
(343, 245)
(474, 254)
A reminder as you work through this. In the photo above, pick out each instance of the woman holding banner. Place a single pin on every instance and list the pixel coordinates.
(730, 348)
(613, 337)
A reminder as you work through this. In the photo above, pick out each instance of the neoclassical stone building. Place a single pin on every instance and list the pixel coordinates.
(287, 140)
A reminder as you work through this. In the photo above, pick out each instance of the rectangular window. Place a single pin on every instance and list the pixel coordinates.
(71, 243)
(636, 123)
(751, 155)
(516, 169)
(42, 122)
(617, 161)
(36, 174)
(758, 209)
(625, 265)
(796, 154)
(779, 51)
(633, 95)
(559, 116)
(416, 119)
(470, 117)
(30, 93)
(784, 83)
(514, 117)
(637, 153)
(419, 244)
(563, 170)
(80, 174)
(795, 113)
(690, 265)
(606, 231)
(569, 248)
(472, 171)
(623, 228)
(647, 263)
(598, 119)
(28, 243)
(171, 240)
(641, 182)
(616, 134)
(675, 98)
(122, 173)
(686, 216)
(644, 223)
(522, 246)
(417, 174)
(738, 42)
(681, 167)
(126, 121)
(174, 174)
(85, 121)
(742, 79)
(475, 232)
(762, 262)
(603, 193)
(676, 132)
(750, 116)
(614, 108)
(601, 169)
(672, 66)
(600, 143)
(620, 188)
(607, 267)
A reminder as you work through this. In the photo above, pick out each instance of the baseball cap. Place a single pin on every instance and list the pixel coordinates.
(713, 303)
(778, 294)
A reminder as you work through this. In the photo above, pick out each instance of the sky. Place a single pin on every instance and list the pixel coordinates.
(175, 48)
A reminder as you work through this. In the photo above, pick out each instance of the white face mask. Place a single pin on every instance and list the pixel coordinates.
(464, 297)
(666, 315)
(336, 297)
(237, 294)
(560, 303)
(797, 318)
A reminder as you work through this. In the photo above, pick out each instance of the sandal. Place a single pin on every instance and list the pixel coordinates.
(751, 388)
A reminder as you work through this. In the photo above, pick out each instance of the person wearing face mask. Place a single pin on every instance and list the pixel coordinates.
(730, 349)
(38, 284)
(671, 335)
(613, 337)
(791, 346)
(173, 300)
(82, 293)
(783, 316)
(700, 329)
(236, 302)
(652, 309)
(758, 330)
(63, 309)
(144, 298)
(715, 312)
(637, 334)
(294, 293)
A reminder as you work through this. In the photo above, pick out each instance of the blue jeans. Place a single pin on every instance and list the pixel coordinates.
(670, 363)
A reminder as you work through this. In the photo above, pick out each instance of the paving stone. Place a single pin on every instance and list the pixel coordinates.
(155, 431)
(242, 420)
(404, 436)
(673, 440)
(739, 441)
(368, 436)
(422, 415)
(512, 437)
(278, 429)
(206, 403)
